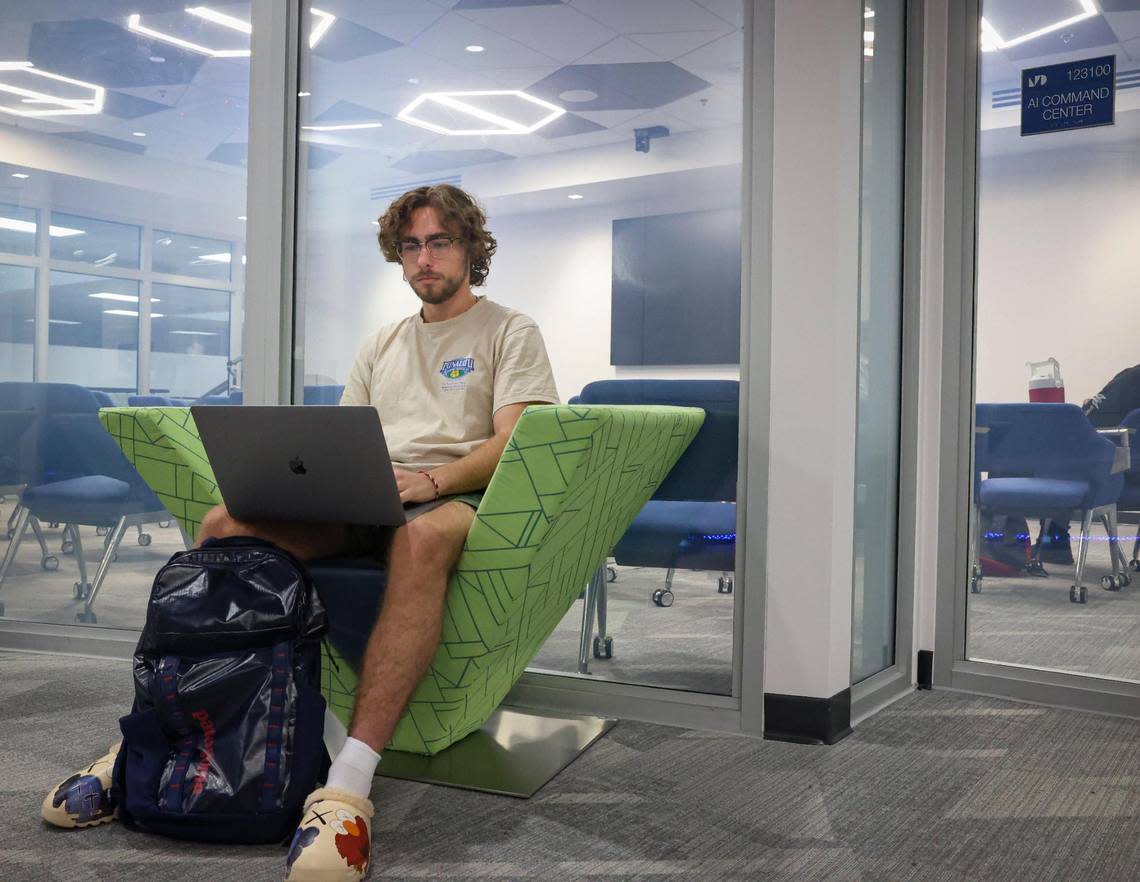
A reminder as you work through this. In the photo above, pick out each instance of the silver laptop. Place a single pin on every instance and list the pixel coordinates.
(326, 464)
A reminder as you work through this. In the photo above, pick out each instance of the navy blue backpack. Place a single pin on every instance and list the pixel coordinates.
(225, 738)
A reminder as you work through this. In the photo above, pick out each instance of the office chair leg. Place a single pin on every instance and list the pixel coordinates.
(82, 588)
(664, 596)
(19, 528)
(589, 609)
(1119, 578)
(1134, 564)
(1078, 593)
(603, 645)
(724, 584)
(114, 537)
(976, 552)
(48, 562)
(1035, 567)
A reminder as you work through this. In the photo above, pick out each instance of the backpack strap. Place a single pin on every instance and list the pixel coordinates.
(170, 711)
(282, 670)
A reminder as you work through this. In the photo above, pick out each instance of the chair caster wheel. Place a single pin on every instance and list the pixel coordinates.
(976, 585)
(54, 525)
(87, 618)
(1078, 594)
(144, 539)
(603, 649)
(663, 597)
(102, 531)
(66, 547)
(81, 590)
(1134, 565)
(50, 563)
(611, 574)
(723, 585)
(164, 525)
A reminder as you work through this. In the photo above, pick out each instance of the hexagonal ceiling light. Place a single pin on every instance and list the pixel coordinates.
(501, 112)
(322, 21)
(27, 83)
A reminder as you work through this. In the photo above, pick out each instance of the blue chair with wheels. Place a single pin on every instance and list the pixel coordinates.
(1046, 461)
(149, 401)
(690, 522)
(73, 473)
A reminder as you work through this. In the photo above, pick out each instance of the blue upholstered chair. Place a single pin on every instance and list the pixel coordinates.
(690, 522)
(72, 472)
(1046, 461)
(149, 401)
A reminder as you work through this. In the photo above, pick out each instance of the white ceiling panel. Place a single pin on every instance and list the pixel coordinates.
(621, 50)
(558, 31)
(719, 61)
(650, 16)
(673, 45)
(448, 38)
(1126, 25)
(731, 11)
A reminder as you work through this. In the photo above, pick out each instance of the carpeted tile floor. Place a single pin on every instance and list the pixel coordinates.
(939, 786)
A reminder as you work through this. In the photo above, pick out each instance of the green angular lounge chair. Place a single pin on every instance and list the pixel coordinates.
(570, 482)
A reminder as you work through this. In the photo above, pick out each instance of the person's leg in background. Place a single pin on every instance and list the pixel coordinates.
(420, 559)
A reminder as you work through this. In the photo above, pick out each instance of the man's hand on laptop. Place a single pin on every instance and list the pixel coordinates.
(414, 486)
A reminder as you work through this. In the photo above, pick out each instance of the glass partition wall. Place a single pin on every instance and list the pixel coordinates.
(123, 133)
(1057, 388)
(604, 141)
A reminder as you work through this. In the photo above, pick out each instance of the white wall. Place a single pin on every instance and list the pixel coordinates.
(1057, 264)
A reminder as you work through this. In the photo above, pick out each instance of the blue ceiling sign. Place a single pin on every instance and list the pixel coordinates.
(1073, 95)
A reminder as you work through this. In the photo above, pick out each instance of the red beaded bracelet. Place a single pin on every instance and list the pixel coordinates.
(433, 482)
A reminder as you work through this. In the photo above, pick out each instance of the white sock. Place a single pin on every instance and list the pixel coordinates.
(353, 768)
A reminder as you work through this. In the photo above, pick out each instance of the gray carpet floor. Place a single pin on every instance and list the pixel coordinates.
(937, 787)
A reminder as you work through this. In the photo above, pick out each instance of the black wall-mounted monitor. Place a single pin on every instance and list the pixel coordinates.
(676, 289)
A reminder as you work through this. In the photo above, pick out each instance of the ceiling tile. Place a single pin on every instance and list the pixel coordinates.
(558, 31)
(448, 38)
(620, 50)
(348, 112)
(346, 41)
(233, 153)
(100, 52)
(674, 45)
(502, 4)
(1126, 25)
(732, 11)
(130, 107)
(103, 141)
(621, 86)
(1091, 33)
(439, 160)
(568, 124)
(650, 16)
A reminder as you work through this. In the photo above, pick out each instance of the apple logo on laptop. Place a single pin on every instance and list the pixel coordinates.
(297, 466)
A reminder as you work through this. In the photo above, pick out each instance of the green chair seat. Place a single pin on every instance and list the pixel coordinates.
(571, 480)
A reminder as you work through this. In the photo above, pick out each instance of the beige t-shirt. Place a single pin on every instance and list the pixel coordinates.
(437, 385)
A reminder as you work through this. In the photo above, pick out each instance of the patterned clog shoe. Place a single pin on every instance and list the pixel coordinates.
(84, 799)
(333, 841)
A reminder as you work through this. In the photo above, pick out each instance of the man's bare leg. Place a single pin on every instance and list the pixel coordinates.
(401, 647)
(304, 540)
(407, 632)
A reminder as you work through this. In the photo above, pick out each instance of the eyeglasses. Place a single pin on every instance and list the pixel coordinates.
(437, 246)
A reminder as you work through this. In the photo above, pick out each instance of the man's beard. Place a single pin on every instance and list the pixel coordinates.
(443, 289)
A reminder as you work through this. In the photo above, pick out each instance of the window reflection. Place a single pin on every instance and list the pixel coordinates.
(17, 321)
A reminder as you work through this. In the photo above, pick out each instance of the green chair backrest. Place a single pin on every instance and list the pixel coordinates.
(571, 480)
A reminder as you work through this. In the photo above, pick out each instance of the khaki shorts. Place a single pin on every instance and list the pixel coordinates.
(369, 541)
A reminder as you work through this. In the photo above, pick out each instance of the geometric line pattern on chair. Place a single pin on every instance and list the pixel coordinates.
(163, 444)
(569, 483)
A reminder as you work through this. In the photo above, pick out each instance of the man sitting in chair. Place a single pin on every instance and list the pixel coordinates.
(450, 382)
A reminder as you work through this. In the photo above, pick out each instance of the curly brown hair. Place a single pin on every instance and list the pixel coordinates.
(459, 212)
